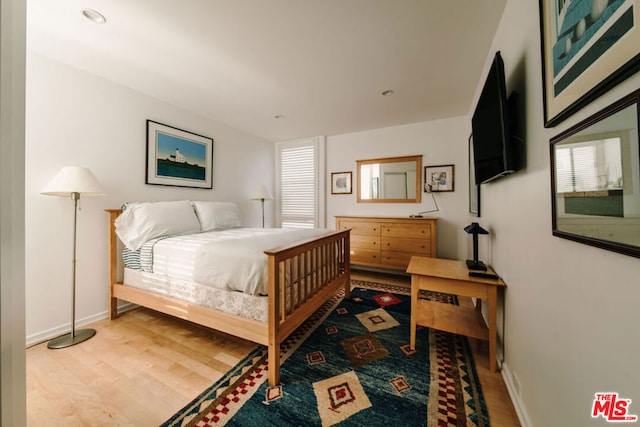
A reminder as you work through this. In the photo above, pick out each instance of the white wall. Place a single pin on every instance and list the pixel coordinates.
(440, 142)
(571, 310)
(74, 118)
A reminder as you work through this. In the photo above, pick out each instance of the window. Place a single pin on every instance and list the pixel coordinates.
(300, 183)
(589, 166)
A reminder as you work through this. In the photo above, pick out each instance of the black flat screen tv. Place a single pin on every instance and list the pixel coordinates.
(495, 149)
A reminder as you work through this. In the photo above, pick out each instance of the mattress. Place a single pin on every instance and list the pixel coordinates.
(226, 259)
(231, 302)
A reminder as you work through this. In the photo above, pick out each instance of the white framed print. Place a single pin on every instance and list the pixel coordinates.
(341, 183)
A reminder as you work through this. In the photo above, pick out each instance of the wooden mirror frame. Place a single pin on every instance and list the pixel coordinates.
(386, 160)
(612, 231)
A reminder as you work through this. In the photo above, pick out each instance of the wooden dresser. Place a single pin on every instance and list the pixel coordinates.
(389, 242)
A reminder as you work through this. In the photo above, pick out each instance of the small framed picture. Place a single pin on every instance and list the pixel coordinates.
(178, 158)
(341, 183)
(439, 178)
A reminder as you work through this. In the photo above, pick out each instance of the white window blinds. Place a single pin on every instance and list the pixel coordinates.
(298, 170)
(581, 163)
(589, 166)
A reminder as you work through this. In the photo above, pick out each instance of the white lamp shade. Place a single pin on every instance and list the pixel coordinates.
(73, 179)
(262, 193)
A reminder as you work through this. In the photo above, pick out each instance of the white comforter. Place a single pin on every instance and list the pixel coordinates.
(231, 259)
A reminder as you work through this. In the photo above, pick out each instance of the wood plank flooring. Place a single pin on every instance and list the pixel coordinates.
(138, 370)
(143, 367)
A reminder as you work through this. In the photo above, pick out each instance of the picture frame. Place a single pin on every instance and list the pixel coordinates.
(178, 158)
(474, 189)
(341, 183)
(594, 179)
(594, 49)
(439, 177)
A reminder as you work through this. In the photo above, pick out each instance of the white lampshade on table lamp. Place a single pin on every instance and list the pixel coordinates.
(262, 194)
(73, 181)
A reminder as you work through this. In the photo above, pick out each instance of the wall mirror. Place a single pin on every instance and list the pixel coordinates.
(595, 178)
(389, 180)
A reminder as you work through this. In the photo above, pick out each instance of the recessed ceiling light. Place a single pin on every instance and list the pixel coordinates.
(94, 16)
(387, 92)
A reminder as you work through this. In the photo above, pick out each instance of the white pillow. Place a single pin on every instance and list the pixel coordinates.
(140, 222)
(217, 215)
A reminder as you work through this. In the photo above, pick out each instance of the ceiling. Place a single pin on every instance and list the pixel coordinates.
(319, 64)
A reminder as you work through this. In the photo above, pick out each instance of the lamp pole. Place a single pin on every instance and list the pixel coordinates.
(262, 194)
(84, 334)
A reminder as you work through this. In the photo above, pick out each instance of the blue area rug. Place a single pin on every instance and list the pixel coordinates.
(350, 364)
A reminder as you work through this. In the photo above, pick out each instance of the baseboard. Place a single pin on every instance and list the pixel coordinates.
(49, 334)
(507, 377)
(521, 412)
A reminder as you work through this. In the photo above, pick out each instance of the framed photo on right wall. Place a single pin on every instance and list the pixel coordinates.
(474, 190)
(588, 47)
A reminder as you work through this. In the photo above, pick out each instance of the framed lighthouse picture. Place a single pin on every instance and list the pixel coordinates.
(178, 158)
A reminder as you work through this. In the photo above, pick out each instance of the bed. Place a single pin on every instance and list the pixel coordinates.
(300, 276)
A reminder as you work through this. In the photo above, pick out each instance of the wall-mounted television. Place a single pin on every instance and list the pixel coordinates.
(497, 151)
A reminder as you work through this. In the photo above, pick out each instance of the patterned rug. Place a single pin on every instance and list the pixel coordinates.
(350, 364)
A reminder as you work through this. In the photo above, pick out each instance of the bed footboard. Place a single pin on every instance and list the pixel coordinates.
(302, 277)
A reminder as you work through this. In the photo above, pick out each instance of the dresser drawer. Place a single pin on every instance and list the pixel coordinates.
(361, 241)
(406, 230)
(363, 256)
(404, 244)
(398, 260)
(361, 228)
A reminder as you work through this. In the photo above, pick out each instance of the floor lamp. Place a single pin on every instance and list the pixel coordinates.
(73, 181)
(262, 194)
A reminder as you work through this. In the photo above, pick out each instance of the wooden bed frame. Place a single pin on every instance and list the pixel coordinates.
(313, 289)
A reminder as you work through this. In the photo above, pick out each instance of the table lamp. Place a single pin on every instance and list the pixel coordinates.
(475, 229)
(428, 188)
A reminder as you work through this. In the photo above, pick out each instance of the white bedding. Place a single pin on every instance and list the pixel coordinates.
(230, 259)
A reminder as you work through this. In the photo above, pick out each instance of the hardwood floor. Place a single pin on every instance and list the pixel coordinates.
(143, 367)
(138, 370)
